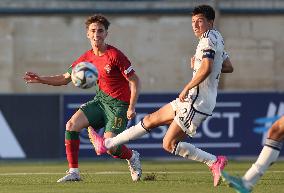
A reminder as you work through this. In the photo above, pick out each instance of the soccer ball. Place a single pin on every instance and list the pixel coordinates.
(84, 75)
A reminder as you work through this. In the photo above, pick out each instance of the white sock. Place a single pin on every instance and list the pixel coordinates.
(189, 151)
(268, 156)
(132, 157)
(131, 133)
(74, 170)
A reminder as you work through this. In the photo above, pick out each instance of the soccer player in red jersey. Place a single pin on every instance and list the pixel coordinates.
(117, 92)
(194, 104)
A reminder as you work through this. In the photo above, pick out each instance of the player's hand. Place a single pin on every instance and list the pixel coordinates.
(31, 77)
(131, 113)
(183, 95)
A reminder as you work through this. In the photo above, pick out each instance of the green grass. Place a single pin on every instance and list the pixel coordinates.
(113, 177)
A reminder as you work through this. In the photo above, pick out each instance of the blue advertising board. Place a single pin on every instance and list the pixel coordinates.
(237, 127)
(30, 126)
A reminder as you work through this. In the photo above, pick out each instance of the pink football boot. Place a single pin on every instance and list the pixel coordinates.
(97, 141)
(217, 167)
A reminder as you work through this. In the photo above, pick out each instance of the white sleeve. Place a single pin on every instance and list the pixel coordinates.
(207, 44)
(225, 55)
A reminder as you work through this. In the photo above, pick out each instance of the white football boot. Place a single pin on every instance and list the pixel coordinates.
(70, 177)
(134, 166)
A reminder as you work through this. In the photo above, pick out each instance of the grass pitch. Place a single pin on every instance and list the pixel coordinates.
(113, 177)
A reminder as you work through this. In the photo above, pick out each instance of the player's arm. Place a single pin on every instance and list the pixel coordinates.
(227, 66)
(202, 73)
(56, 80)
(134, 84)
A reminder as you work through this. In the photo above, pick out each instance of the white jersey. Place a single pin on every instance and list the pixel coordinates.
(204, 95)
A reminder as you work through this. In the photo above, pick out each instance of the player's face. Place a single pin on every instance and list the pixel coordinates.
(200, 24)
(97, 34)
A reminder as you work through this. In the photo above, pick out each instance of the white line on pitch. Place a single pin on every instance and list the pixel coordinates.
(117, 173)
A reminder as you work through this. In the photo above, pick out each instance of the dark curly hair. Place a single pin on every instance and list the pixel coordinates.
(97, 19)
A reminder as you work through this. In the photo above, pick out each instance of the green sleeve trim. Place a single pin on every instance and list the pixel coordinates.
(72, 135)
(69, 70)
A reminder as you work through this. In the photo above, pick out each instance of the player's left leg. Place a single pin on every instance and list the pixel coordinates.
(172, 142)
(116, 122)
(131, 156)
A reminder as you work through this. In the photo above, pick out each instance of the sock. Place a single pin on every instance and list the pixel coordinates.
(75, 170)
(189, 151)
(267, 157)
(131, 133)
(122, 152)
(72, 143)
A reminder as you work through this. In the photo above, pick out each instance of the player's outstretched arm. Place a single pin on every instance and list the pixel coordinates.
(227, 66)
(56, 80)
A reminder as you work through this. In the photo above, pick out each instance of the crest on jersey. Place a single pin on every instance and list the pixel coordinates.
(107, 68)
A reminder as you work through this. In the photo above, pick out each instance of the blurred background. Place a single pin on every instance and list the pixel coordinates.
(46, 36)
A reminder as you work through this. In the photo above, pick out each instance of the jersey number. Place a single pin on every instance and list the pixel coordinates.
(117, 122)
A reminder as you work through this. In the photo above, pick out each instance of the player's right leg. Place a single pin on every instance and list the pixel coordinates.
(81, 119)
(235, 183)
(268, 155)
(162, 116)
(73, 127)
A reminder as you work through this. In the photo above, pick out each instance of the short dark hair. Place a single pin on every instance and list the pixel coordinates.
(205, 10)
(97, 19)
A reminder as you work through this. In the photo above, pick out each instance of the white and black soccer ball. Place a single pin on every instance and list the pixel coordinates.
(84, 75)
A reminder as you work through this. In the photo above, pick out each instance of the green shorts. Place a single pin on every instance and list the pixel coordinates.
(99, 115)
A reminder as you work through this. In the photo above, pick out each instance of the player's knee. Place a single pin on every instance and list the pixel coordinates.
(281, 129)
(277, 130)
(167, 145)
(70, 126)
(281, 125)
(149, 121)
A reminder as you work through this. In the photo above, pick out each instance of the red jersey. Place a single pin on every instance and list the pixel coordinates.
(113, 68)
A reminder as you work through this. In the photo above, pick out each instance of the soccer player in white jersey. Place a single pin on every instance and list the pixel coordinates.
(266, 158)
(194, 104)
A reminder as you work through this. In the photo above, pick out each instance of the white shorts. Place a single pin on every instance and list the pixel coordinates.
(187, 117)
